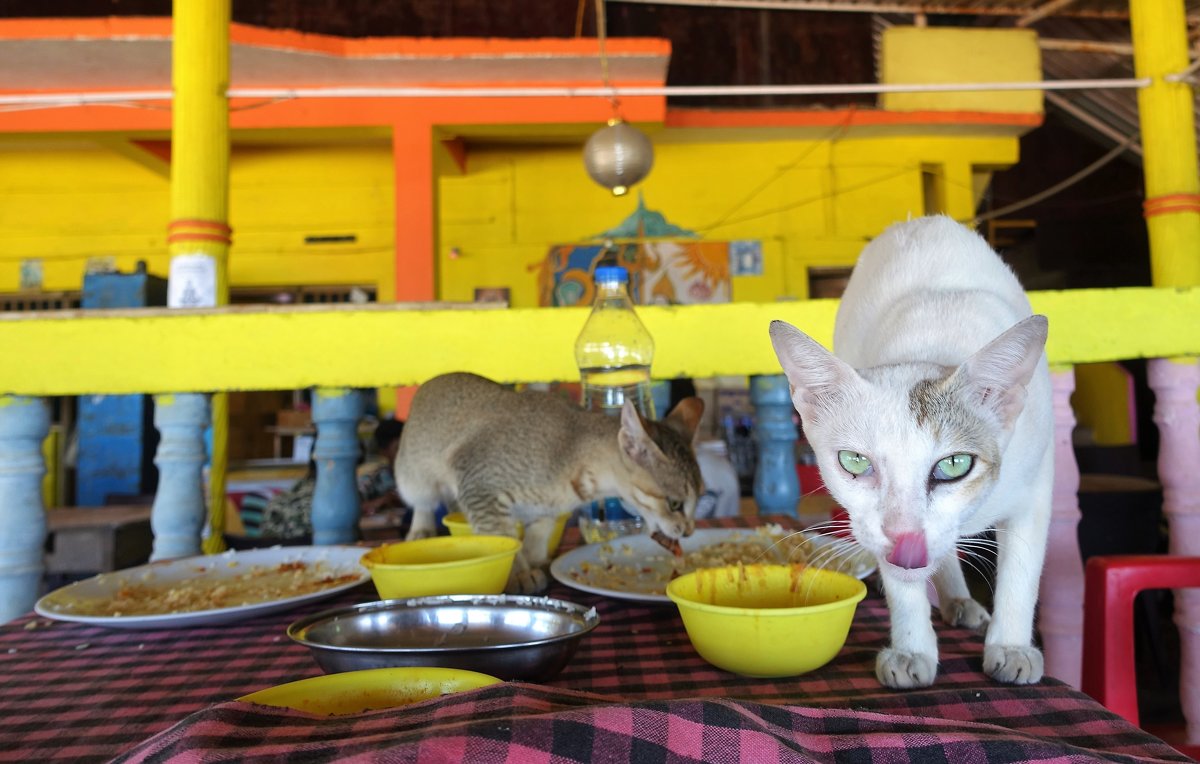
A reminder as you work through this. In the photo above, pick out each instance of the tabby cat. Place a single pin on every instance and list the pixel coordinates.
(932, 422)
(500, 456)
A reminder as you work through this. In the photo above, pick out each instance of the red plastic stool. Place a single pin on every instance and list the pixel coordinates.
(1110, 585)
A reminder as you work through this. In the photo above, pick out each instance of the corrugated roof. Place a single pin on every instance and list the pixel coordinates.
(1108, 116)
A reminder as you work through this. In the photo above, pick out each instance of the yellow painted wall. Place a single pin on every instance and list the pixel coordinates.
(1101, 402)
(812, 203)
(958, 54)
(65, 201)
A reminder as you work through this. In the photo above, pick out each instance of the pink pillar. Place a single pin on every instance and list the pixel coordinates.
(1178, 418)
(1060, 609)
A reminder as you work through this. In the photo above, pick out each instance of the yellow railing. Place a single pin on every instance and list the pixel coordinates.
(271, 348)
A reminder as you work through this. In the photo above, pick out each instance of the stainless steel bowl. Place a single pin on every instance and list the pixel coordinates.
(507, 636)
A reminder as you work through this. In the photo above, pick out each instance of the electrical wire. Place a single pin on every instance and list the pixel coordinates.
(818, 198)
(1061, 185)
(834, 135)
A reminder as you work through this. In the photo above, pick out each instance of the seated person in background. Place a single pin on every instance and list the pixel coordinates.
(377, 477)
(288, 515)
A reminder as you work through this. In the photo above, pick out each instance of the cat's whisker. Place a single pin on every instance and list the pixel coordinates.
(969, 561)
(983, 545)
(832, 552)
(832, 533)
(1012, 535)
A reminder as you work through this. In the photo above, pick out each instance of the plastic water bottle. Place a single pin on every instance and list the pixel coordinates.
(614, 350)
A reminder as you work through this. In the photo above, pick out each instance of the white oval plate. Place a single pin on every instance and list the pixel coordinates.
(65, 604)
(654, 563)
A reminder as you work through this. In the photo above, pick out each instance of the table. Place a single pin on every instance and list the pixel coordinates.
(636, 690)
(97, 539)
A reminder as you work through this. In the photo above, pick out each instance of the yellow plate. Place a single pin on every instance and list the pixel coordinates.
(353, 692)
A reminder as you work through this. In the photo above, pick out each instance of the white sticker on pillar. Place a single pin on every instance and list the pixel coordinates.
(192, 282)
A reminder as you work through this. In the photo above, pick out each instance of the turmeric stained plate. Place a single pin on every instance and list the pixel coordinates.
(636, 568)
(354, 692)
(209, 589)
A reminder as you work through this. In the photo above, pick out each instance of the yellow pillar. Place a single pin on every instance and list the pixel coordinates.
(1160, 49)
(1160, 46)
(200, 182)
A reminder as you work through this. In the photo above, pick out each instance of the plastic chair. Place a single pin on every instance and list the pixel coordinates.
(1111, 584)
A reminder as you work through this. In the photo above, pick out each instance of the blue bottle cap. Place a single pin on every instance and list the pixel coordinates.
(610, 273)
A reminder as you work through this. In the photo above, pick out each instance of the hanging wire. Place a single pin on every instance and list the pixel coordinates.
(602, 38)
(1061, 185)
(835, 134)
(579, 18)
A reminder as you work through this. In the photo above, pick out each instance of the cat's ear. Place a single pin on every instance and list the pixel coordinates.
(996, 375)
(635, 441)
(685, 417)
(815, 374)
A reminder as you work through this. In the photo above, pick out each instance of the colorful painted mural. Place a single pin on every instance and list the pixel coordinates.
(660, 272)
(668, 265)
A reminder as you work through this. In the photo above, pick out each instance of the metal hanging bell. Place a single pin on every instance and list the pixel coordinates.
(618, 156)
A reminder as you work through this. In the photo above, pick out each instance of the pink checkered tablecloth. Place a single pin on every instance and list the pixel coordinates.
(635, 691)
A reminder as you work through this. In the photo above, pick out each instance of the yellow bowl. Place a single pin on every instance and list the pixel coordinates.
(356, 691)
(442, 565)
(456, 523)
(767, 620)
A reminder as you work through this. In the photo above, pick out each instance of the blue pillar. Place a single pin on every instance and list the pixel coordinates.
(335, 508)
(179, 509)
(24, 423)
(776, 487)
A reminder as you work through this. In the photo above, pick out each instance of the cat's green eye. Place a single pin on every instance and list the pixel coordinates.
(675, 505)
(854, 463)
(953, 467)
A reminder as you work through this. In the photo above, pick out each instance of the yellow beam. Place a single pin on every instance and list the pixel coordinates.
(339, 346)
(1160, 44)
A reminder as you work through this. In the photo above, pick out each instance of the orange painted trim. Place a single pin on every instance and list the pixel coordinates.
(85, 28)
(416, 216)
(404, 399)
(342, 112)
(175, 237)
(1170, 203)
(245, 34)
(444, 47)
(457, 149)
(714, 118)
(160, 149)
(214, 225)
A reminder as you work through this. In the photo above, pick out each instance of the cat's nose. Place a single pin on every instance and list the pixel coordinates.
(909, 551)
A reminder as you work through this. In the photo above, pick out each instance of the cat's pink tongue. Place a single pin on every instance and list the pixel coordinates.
(909, 551)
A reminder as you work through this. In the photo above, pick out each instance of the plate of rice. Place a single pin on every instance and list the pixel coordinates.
(207, 590)
(637, 568)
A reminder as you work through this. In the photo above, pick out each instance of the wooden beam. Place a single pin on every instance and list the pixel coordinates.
(1045, 9)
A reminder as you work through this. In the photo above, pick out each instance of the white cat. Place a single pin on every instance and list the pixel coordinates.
(934, 422)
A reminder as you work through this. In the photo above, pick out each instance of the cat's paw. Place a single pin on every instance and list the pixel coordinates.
(904, 671)
(1013, 664)
(416, 533)
(532, 581)
(967, 613)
